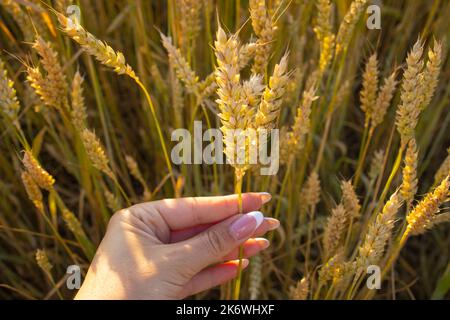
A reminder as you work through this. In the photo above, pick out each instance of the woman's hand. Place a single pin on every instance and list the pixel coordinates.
(171, 249)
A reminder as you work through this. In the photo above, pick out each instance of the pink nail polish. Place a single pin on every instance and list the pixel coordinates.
(244, 226)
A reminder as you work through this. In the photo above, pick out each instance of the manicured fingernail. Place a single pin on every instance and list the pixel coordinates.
(263, 243)
(245, 226)
(245, 263)
(273, 223)
(265, 197)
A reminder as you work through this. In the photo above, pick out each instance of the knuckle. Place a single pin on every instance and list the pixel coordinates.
(215, 242)
(119, 216)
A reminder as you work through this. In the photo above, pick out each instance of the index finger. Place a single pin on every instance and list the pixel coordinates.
(188, 212)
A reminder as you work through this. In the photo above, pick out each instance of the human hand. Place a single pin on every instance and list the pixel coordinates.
(174, 248)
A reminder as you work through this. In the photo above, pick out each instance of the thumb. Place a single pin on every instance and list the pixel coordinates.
(213, 244)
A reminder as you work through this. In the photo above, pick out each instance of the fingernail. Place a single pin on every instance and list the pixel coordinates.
(273, 223)
(246, 225)
(263, 243)
(265, 197)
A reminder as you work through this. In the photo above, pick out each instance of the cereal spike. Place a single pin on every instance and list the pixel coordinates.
(42, 261)
(8, 97)
(334, 230)
(54, 80)
(78, 112)
(181, 66)
(97, 48)
(264, 29)
(301, 291)
(95, 152)
(350, 200)
(32, 189)
(409, 184)
(269, 108)
(370, 87)
(43, 179)
(444, 169)
(384, 100)
(378, 234)
(424, 216)
(408, 111)
(348, 24)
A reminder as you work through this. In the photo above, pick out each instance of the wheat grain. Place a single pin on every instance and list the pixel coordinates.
(42, 261)
(378, 235)
(264, 29)
(302, 123)
(136, 172)
(429, 79)
(348, 24)
(20, 17)
(253, 90)
(444, 169)
(8, 98)
(334, 230)
(96, 152)
(310, 195)
(425, 214)
(72, 223)
(97, 48)
(409, 184)
(235, 113)
(350, 200)
(33, 191)
(54, 79)
(189, 20)
(376, 164)
(78, 112)
(324, 33)
(301, 291)
(112, 201)
(269, 108)
(180, 65)
(246, 53)
(43, 179)
(383, 100)
(408, 111)
(45, 93)
(370, 88)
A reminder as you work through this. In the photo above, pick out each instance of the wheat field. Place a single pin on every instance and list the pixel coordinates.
(90, 92)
